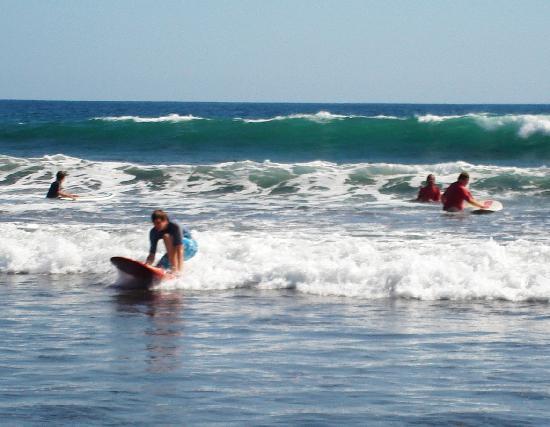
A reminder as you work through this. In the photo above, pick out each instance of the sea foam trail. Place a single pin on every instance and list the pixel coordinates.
(336, 265)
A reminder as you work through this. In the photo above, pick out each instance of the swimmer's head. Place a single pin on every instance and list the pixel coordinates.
(160, 219)
(464, 178)
(60, 176)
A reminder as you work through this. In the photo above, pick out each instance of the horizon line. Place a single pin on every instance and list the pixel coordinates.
(272, 102)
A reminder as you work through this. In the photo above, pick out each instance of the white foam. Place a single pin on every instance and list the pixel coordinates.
(342, 265)
(87, 178)
(258, 182)
(385, 117)
(321, 116)
(307, 260)
(528, 124)
(59, 249)
(430, 118)
(168, 118)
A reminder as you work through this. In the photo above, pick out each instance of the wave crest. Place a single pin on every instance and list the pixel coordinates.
(172, 118)
(321, 116)
(526, 124)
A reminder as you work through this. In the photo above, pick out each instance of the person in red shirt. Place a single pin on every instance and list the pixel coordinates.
(456, 194)
(430, 192)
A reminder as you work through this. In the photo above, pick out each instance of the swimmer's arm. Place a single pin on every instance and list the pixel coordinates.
(68, 195)
(475, 203)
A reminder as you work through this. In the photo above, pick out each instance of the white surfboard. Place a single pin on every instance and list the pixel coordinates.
(490, 207)
(91, 198)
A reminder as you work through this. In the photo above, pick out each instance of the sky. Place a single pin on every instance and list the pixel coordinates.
(421, 51)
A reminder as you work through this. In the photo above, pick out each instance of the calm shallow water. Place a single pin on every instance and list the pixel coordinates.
(74, 350)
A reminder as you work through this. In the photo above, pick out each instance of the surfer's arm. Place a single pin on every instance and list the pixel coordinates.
(172, 252)
(477, 204)
(437, 195)
(68, 195)
(153, 239)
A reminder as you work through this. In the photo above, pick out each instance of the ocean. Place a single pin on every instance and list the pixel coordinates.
(321, 295)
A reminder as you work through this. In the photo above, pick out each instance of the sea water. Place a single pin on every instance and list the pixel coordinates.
(320, 293)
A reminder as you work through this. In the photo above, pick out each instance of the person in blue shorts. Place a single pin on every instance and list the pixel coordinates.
(179, 245)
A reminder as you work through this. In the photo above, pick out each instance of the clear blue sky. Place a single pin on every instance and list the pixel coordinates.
(494, 51)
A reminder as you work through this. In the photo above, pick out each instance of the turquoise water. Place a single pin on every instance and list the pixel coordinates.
(320, 295)
(199, 132)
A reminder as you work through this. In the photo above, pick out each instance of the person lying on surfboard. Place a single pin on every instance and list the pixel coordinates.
(56, 187)
(456, 194)
(179, 246)
(430, 192)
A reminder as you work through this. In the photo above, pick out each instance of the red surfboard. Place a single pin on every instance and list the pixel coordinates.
(140, 274)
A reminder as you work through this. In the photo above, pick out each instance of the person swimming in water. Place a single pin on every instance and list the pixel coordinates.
(179, 246)
(456, 194)
(56, 187)
(430, 192)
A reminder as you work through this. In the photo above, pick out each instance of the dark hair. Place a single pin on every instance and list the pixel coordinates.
(432, 176)
(159, 214)
(60, 175)
(463, 176)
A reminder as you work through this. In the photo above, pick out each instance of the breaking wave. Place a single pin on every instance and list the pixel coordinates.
(353, 267)
(171, 118)
(298, 137)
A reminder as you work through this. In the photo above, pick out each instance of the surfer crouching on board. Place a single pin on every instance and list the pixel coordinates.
(56, 187)
(430, 192)
(456, 194)
(178, 246)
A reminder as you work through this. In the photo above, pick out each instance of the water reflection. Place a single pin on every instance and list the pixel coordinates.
(160, 314)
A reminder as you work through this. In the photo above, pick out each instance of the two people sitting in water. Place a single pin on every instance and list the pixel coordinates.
(453, 198)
